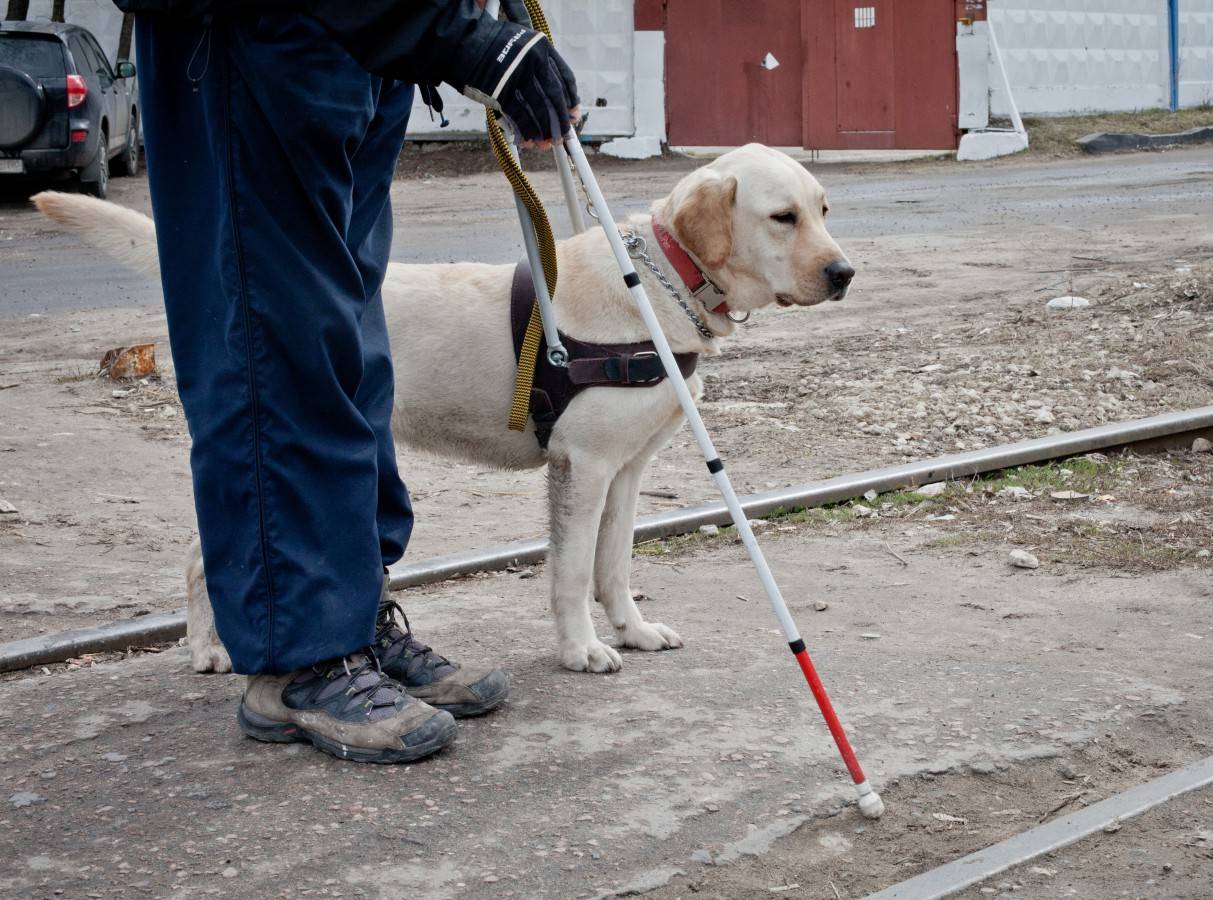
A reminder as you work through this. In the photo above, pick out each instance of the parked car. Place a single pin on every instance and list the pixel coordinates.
(64, 111)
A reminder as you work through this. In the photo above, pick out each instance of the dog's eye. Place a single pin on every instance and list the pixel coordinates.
(825, 210)
(785, 218)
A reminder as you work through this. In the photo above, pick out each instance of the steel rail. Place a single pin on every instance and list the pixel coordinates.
(1174, 429)
(954, 877)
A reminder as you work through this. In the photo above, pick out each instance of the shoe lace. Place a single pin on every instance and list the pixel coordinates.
(366, 680)
(393, 640)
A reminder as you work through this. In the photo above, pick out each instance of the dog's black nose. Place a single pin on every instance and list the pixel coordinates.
(839, 274)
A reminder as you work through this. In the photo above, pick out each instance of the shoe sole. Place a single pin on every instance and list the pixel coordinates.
(470, 710)
(501, 691)
(260, 728)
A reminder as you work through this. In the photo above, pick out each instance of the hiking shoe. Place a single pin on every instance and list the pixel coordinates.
(346, 707)
(459, 690)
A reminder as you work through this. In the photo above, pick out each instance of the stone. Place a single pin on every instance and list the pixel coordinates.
(709, 530)
(821, 606)
(1044, 416)
(230, 872)
(702, 856)
(934, 489)
(25, 798)
(1068, 302)
(1022, 559)
(863, 512)
(1200, 445)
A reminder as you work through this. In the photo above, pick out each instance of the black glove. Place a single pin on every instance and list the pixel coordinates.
(516, 12)
(523, 77)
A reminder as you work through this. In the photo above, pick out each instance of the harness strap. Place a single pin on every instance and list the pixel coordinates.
(552, 388)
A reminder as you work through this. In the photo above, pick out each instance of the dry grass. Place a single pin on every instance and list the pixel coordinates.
(1055, 136)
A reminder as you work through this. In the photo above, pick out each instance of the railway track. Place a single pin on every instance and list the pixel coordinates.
(1167, 431)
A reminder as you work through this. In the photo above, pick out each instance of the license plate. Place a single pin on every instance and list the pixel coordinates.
(11, 167)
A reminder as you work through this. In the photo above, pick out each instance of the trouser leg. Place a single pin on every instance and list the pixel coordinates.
(370, 235)
(252, 131)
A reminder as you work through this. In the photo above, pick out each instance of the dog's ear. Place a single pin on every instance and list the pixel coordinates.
(703, 220)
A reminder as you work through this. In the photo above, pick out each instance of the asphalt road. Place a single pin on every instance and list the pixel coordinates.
(448, 219)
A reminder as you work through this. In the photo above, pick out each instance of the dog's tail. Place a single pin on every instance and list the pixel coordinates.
(126, 235)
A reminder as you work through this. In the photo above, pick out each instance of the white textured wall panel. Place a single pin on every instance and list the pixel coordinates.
(1083, 55)
(1195, 52)
(100, 17)
(973, 62)
(595, 36)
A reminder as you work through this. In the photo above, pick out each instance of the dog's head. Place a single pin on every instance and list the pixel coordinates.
(754, 220)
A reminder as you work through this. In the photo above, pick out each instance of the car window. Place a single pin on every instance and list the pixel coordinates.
(102, 62)
(84, 65)
(93, 64)
(36, 56)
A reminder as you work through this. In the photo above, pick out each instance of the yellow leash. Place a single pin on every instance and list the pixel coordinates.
(520, 408)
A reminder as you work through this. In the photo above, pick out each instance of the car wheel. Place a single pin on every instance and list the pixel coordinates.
(128, 162)
(95, 179)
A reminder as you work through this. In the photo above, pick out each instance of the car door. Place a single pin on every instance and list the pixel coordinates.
(97, 103)
(118, 108)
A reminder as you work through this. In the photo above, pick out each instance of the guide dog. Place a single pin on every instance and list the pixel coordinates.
(752, 222)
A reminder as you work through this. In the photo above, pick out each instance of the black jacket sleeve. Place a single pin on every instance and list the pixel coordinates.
(423, 41)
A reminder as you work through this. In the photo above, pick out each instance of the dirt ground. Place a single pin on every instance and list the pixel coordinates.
(945, 343)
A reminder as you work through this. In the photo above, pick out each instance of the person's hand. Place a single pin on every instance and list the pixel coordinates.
(526, 80)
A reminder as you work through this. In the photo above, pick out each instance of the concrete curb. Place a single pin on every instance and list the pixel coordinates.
(1113, 142)
(1168, 430)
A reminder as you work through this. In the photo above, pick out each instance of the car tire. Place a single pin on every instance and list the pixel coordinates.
(128, 162)
(95, 179)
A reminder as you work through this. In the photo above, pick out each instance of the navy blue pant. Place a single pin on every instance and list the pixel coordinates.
(270, 154)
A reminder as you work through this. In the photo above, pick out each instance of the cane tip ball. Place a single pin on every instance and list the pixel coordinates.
(871, 806)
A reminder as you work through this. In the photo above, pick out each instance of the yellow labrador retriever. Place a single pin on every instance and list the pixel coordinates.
(753, 221)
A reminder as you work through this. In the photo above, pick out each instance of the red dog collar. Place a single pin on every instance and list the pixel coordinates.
(690, 273)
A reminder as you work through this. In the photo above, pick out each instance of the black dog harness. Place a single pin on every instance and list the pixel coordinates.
(590, 365)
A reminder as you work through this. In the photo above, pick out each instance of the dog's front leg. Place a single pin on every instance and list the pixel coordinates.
(577, 487)
(613, 565)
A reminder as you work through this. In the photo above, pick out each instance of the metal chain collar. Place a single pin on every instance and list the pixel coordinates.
(637, 248)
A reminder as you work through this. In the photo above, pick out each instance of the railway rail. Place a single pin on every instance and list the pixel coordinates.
(1161, 432)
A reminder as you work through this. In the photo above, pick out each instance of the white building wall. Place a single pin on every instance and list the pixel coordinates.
(596, 37)
(1195, 52)
(1065, 56)
(100, 17)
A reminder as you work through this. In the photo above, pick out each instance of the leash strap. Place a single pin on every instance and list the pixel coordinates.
(521, 404)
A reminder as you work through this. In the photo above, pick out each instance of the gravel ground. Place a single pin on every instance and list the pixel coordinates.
(945, 344)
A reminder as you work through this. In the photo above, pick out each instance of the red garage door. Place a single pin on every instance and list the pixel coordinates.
(851, 74)
(880, 73)
(717, 91)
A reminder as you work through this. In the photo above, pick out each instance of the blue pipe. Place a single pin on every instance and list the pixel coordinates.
(1173, 42)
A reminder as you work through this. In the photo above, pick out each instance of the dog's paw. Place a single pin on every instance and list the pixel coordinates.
(650, 636)
(593, 656)
(210, 657)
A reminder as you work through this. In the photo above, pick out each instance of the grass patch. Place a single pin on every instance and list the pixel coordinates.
(1055, 136)
(1084, 474)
